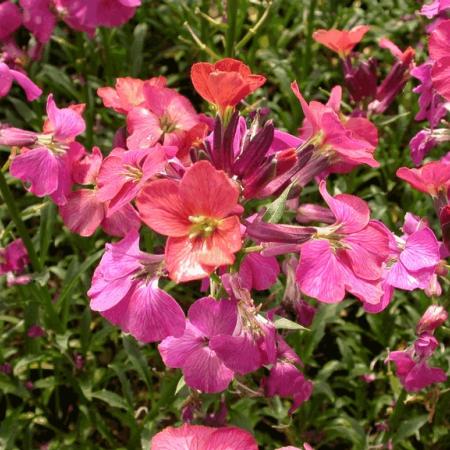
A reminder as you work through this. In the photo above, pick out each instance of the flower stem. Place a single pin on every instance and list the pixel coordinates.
(21, 228)
(232, 9)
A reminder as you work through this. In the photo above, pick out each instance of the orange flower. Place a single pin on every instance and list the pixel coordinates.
(341, 41)
(224, 83)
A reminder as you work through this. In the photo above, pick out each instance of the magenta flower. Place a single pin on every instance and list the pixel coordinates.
(84, 212)
(344, 143)
(434, 8)
(258, 272)
(413, 257)
(123, 174)
(166, 117)
(35, 331)
(415, 374)
(193, 352)
(13, 258)
(10, 19)
(38, 18)
(45, 159)
(285, 379)
(8, 76)
(330, 262)
(198, 437)
(125, 291)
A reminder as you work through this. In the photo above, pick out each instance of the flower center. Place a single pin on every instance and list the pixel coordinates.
(133, 173)
(167, 125)
(202, 226)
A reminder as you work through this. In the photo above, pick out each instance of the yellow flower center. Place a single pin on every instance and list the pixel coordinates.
(202, 226)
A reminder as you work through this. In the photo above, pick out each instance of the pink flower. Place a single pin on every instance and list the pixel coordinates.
(165, 117)
(123, 174)
(434, 8)
(199, 216)
(10, 19)
(35, 331)
(432, 318)
(125, 291)
(86, 15)
(8, 76)
(84, 211)
(258, 272)
(285, 379)
(127, 93)
(193, 352)
(45, 160)
(330, 263)
(341, 41)
(13, 258)
(440, 53)
(414, 256)
(432, 178)
(345, 143)
(198, 437)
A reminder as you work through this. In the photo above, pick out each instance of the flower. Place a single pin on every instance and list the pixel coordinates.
(8, 75)
(343, 142)
(38, 18)
(193, 352)
(413, 257)
(341, 41)
(127, 93)
(45, 159)
(198, 437)
(165, 117)
(199, 214)
(10, 19)
(432, 178)
(123, 173)
(258, 272)
(439, 49)
(224, 83)
(285, 379)
(432, 318)
(330, 261)
(84, 211)
(125, 291)
(13, 258)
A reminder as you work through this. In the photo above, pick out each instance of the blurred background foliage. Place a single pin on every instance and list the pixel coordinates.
(84, 385)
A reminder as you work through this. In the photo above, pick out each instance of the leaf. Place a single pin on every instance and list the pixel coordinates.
(137, 360)
(180, 385)
(114, 400)
(281, 323)
(136, 50)
(409, 427)
(276, 209)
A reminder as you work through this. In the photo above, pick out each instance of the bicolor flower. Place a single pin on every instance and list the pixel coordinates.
(199, 215)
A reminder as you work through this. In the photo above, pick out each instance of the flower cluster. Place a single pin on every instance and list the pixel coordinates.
(39, 18)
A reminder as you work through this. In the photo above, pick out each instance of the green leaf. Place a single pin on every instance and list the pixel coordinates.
(281, 323)
(409, 427)
(180, 385)
(136, 51)
(276, 209)
(111, 398)
(137, 360)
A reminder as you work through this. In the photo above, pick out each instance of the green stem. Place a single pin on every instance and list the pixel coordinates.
(21, 228)
(396, 416)
(232, 9)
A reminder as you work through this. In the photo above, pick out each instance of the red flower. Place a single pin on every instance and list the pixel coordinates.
(341, 41)
(224, 83)
(199, 216)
